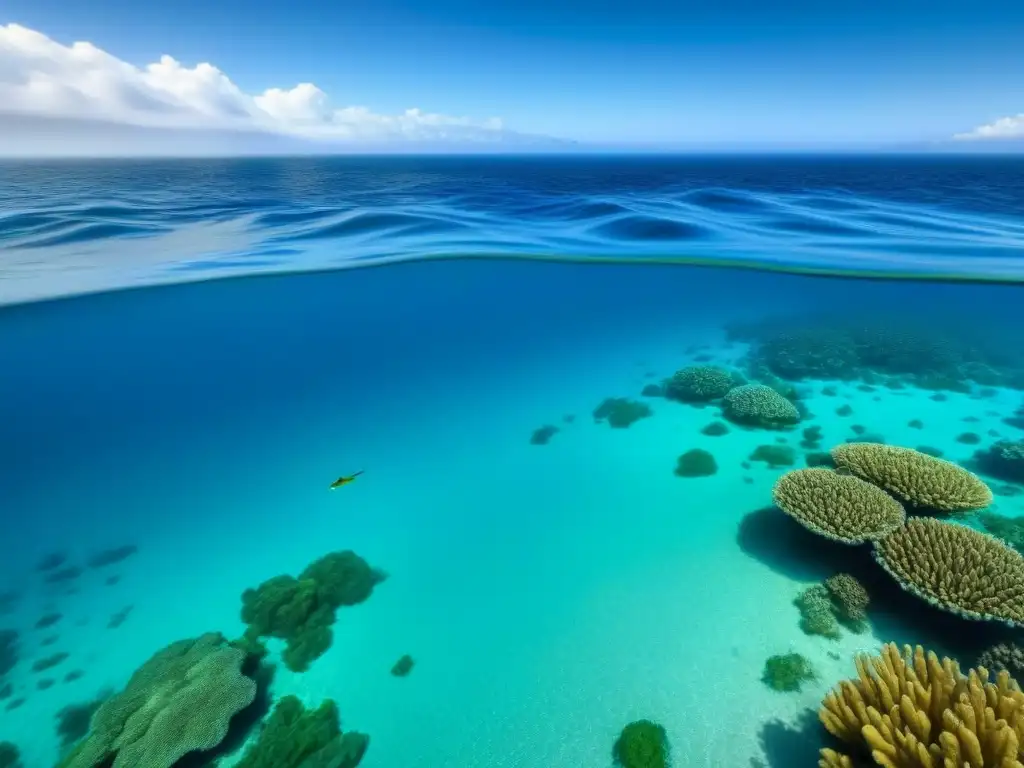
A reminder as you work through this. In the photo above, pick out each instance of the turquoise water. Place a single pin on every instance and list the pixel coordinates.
(549, 594)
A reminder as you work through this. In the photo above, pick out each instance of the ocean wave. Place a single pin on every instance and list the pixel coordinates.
(66, 228)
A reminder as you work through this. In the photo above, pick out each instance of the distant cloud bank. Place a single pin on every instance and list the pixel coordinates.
(41, 78)
(1004, 128)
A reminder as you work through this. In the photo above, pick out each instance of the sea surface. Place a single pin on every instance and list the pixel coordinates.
(169, 436)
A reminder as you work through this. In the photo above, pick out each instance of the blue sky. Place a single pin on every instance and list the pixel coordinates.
(740, 72)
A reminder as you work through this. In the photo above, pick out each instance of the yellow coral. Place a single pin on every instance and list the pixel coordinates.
(957, 569)
(916, 478)
(832, 759)
(914, 710)
(840, 507)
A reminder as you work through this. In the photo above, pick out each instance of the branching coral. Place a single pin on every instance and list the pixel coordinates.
(294, 737)
(179, 701)
(914, 710)
(699, 383)
(957, 569)
(302, 611)
(840, 507)
(849, 597)
(914, 477)
(759, 406)
(816, 615)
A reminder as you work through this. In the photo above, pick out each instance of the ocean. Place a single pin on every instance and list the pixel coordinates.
(517, 363)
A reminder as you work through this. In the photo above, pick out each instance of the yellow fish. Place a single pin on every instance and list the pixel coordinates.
(345, 480)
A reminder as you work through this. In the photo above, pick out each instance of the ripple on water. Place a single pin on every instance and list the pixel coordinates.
(241, 217)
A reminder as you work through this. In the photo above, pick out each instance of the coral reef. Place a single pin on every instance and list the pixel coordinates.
(10, 757)
(621, 412)
(957, 569)
(840, 507)
(51, 561)
(715, 429)
(787, 672)
(73, 721)
(403, 666)
(112, 556)
(543, 435)
(302, 610)
(294, 737)
(914, 710)
(758, 405)
(968, 438)
(816, 612)
(849, 597)
(641, 744)
(652, 390)
(1003, 459)
(696, 463)
(180, 700)
(9, 650)
(699, 384)
(1008, 656)
(1009, 529)
(48, 662)
(48, 620)
(915, 478)
(774, 456)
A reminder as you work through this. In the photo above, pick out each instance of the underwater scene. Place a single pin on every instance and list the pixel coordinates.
(506, 462)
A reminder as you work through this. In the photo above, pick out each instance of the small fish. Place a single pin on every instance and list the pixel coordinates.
(345, 480)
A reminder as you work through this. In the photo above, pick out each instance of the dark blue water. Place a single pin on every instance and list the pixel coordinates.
(73, 227)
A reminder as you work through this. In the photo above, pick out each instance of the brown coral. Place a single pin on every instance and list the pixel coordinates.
(849, 596)
(957, 569)
(913, 710)
(914, 477)
(840, 507)
(179, 701)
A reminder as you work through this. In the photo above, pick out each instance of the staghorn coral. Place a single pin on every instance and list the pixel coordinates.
(914, 477)
(840, 507)
(758, 405)
(914, 710)
(849, 597)
(698, 384)
(957, 569)
(181, 700)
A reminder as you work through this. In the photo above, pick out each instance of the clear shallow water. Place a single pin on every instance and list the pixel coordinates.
(85, 226)
(550, 594)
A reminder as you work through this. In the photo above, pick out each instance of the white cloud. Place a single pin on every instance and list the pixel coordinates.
(1004, 128)
(43, 78)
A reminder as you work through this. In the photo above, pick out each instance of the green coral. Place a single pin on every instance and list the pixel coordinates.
(181, 700)
(10, 757)
(1009, 529)
(816, 613)
(787, 672)
(621, 412)
(699, 384)
(294, 737)
(696, 463)
(301, 610)
(642, 744)
(758, 405)
(774, 456)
